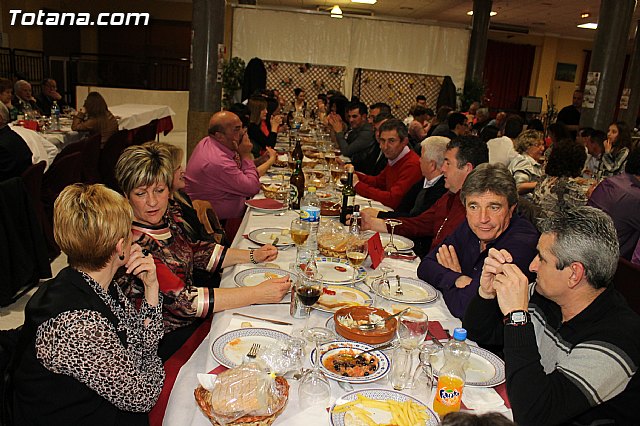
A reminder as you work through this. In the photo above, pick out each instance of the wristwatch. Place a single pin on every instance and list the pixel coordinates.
(517, 318)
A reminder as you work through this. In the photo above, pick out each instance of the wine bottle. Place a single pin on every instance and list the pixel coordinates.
(297, 186)
(348, 196)
(297, 153)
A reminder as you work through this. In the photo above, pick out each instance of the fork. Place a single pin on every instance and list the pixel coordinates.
(253, 352)
(399, 291)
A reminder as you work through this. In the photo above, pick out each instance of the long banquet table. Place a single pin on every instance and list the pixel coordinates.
(181, 408)
(133, 116)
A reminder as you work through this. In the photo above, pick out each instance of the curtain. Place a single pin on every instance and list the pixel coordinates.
(507, 72)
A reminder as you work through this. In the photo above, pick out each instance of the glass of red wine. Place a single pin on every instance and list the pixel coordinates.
(308, 293)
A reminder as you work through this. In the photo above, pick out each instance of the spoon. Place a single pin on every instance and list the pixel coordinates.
(372, 325)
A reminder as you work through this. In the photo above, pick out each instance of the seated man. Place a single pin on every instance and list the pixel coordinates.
(457, 125)
(23, 98)
(426, 191)
(594, 142)
(430, 228)
(571, 342)
(49, 94)
(619, 197)
(501, 149)
(221, 168)
(490, 196)
(401, 172)
(356, 142)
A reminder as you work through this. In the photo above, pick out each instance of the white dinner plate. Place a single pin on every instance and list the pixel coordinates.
(254, 276)
(377, 415)
(338, 271)
(231, 348)
(401, 243)
(268, 235)
(413, 291)
(333, 348)
(347, 296)
(484, 369)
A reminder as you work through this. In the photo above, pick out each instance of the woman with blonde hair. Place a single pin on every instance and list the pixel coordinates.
(86, 354)
(95, 118)
(145, 175)
(525, 167)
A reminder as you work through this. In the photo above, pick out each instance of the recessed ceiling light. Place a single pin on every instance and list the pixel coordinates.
(589, 25)
(585, 15)
(336, 12)
(492, 13)
(364, 1)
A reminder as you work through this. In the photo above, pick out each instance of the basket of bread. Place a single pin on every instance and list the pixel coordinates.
(245, 395)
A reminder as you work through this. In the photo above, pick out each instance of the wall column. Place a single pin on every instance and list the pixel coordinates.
(207, 31)
(608, 55)
(630, 114)
(478, 43)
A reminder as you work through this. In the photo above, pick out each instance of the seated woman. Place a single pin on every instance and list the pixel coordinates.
(525, 167)
(616, 150)
(145, 175)
(86, 354)
(261, 133)
(561, 187)
(95, 118)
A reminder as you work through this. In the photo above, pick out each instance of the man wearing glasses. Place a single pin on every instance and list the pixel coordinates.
(402, 170)
(221, 168)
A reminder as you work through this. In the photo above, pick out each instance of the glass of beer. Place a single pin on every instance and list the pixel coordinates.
(299, 233)
(357, 250)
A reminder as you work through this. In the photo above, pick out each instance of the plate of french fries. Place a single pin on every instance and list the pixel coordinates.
(371, 407)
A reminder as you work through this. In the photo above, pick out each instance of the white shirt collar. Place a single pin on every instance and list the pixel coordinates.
(404, 152)
(430, 183)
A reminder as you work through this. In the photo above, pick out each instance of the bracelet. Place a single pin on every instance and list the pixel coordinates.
(253, 259)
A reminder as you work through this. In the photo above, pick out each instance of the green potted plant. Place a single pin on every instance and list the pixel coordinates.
(232, 77)
(474, 90)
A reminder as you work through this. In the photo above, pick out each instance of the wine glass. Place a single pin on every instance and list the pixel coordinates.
(299, 233)
(336, 172)
(412, 328)
(314, 388)
(308, 293)
(390, 248)
(423, 380)
(357, 250)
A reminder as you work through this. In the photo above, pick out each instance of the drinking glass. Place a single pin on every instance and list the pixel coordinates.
(423, 380)
(412, 328)
(336, 172)
(400, 373)
(314, 388)
(299, 233)
(283, 194)
(390, 248)
(379, 285)
(357, 250)
(308, 293)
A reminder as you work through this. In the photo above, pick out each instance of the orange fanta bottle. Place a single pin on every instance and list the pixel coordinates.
(451, 379)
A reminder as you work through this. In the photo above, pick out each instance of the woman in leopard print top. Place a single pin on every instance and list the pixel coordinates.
(86, 355)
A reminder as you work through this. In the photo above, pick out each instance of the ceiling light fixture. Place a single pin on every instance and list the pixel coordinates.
(492, 13)
(336, 12)
(364, 1)
(589, 25)
(585, 15)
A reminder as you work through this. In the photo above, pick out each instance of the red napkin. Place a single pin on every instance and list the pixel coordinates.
(219, 369)
(436, 329)
(375, 250)
(265, 203)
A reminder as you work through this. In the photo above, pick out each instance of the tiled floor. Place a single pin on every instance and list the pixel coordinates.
(12, 316)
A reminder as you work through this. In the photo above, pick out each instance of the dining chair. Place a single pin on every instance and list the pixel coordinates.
(109, 155)
(146, 133)
(91, 159)
(627, 281)
(64, 172)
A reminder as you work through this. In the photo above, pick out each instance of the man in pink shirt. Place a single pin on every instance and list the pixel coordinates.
(221, 168)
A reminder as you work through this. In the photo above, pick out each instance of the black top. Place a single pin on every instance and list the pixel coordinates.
(15, 155)
(419, 199)
(259, 140)
(45, 103)
(569, 116)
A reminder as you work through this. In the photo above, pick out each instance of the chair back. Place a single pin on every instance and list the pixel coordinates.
(71, 148)
(8, 346)
(91, 159)
(64, 172)
(109, 155)
(627, 281)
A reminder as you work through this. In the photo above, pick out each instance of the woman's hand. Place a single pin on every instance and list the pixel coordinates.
(273, 290)
(276, 120)
(607, 146)
(266, 253)
(143, 267)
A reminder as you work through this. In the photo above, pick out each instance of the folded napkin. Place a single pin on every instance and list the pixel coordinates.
(236, 323)
(265, 203)
(436, 329)
(312, 416)
(482, 399)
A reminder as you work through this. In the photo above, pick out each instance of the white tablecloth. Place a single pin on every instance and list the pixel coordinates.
(182, 409)
(132, 116)
(41, 148)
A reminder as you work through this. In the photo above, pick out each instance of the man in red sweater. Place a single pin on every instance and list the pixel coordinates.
(400, 174)
(429, 229)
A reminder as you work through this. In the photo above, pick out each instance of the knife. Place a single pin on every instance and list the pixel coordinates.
(263, 319)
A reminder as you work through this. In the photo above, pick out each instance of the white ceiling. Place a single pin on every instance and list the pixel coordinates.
(553, 17)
